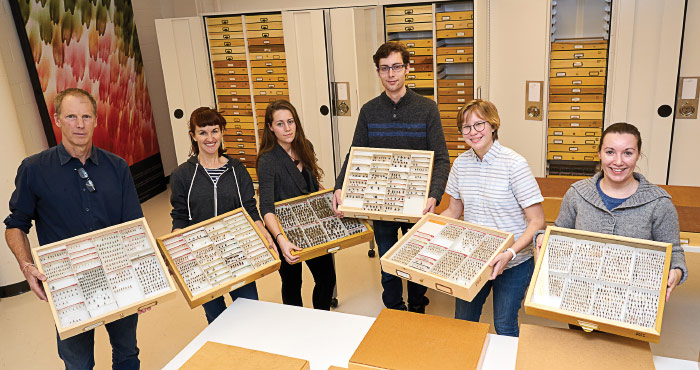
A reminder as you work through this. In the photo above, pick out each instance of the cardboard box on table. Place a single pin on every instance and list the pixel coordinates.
(475, 261)
(421, 342)
(544, 348)
(217, 356)
(321, 209)
(386, 184)
(211, 282)
(619, 282)
(102, 276)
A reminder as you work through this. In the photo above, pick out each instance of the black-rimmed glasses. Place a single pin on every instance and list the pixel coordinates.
(478, 126)
(84, 175)
(395, 68)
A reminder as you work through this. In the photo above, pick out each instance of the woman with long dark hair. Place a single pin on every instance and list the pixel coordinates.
(287, 168)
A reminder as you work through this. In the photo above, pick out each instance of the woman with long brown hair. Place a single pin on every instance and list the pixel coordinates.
(287, 168)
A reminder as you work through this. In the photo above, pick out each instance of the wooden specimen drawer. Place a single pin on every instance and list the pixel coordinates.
(428, 59)
(587, 107)
(231, 125)
(240, 145)
(446, 82)
(448, 115)
(563, 123)
(270, 85)
(221, 76)
(234, 106)
(577, 72)
(386, 184)
(309, 223)
(456, 152)
(224, 100)
(102, 276)
(225, 28)
(583, 148)
(420, 76)
(574, 131)
(451, 50)
(452, 99)
(243, 120)
(259, 78)
(275, 92)
(450, 25)
(231, 71)
(561, 156)
(267, 56)
(577, 115)
(238, 151)
(268, 63)
(225, 36)
(228, 50)
(232, 85)
(421, 84)
(468, 90)
(450, 107)
(601, 282)
(417, 43)
(404, 10)
(577, 89)
(260, 112)
(447, 254)
(232, 91)
(237, 112)
(580, 45)
(239, 138)
(215, 256)
(238, 131)
(423, 67)
(443, 34)
(266, 41)
(409, 18)
(411, 27)
(263, 26)
(590, 98)
(267, 99)
(229, 42)
(580, 54)
(265, 48)
(578, 63)
(268, 71)
(263, 18)
(450, 128)
(219, 21)
(576, 81)
(465, 58)
(229, 57)
(265, 34)
(420, 51)
(574, 140)
(453, 137)
(454, 16)
(457, 145)
(225, 64)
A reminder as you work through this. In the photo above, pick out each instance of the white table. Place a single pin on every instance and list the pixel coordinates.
(327, 338)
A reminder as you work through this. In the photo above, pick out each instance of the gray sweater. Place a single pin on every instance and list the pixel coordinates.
(647, 214)
(412, 123)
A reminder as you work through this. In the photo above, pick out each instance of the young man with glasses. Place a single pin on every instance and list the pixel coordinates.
(399, 119)
(68, 190)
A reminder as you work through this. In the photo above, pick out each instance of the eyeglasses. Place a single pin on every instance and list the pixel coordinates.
(84, 175)
(395, 68)
(478, 127)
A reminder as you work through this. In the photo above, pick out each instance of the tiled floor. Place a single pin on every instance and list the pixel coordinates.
(28, 340)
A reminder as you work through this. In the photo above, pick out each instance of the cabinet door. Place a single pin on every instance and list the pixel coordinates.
(642, 75)
(186, 71)
(517, 57)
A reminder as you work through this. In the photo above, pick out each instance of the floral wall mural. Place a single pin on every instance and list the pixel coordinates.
(93, 45)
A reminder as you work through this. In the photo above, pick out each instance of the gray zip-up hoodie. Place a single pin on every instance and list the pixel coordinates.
(196, 198)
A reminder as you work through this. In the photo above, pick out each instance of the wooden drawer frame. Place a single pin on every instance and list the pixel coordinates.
(105, 318)
(332, 246)
(439, 283)
(590, 322)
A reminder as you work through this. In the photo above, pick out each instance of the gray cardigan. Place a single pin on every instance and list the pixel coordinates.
(647, 214)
